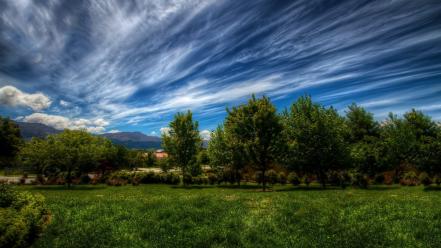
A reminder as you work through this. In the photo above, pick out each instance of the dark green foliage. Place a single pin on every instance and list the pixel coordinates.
(282, 178)
(254, 130)
(258, 177)
(379, 178)
(273, 177)
(85, 179)
(187, 179)
(212, 179)
(10, 141)
(23, 217)
(315, 138)
(425, 179)
(410, 178)
(360, 180)
(294, 179)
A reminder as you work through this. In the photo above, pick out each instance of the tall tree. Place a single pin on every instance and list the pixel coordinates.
(10, 140)
(182, 142)
(226, 153)
(315, 138)
(363, 133)
(255, 127)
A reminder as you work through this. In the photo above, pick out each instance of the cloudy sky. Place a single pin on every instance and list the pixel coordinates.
(131, 65)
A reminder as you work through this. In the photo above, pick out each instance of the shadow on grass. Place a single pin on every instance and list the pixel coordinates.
(191, 187)
(432, 188)
(242, 186)
(65, 188)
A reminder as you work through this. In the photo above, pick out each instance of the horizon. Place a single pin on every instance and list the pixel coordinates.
(130, 66)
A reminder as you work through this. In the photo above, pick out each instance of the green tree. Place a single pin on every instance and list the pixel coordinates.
(315, 138)
(255, 129)
(10, 140)
(182, 142)
(363, 134)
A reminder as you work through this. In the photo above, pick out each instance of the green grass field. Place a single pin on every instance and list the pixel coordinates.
(167, 216)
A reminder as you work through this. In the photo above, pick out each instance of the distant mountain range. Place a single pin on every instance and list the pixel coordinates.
(136, 140)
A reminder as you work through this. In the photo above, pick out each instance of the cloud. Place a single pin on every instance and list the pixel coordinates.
(61, 122)
(11, 96)
(64, 103)
(114, 131)
(205, 134)
(165, 130)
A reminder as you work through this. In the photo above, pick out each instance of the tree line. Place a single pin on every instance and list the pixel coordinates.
(311, 141)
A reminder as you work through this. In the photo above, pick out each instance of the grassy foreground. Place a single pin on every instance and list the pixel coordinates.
(166, 216)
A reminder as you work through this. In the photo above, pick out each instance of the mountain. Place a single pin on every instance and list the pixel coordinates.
(134, 140)
(29, 130)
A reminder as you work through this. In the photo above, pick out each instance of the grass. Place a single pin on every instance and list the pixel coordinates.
(166, 216)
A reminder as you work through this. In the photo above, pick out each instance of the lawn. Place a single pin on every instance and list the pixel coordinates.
(167, 216)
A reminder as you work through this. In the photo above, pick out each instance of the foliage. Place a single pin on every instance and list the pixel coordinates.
(254, 131)
(294, 179)
(182, 142)
(23, 217)
(425, 179)
(273, 177)
(410, 178)
(315, 138)
(10, 141)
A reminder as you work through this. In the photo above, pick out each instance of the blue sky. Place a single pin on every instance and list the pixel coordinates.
(131, 65)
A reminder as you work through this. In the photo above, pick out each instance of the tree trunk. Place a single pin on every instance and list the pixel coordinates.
(263, 180)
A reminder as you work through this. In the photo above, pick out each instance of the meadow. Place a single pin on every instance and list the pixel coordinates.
(227, 216)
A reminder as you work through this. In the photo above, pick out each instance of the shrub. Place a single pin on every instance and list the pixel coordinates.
(187, 179)
(360, 180)
(272, 177)
(116, 182)
(425, 179)
(307, 180)
(282, 178)
(85, 179)
(345, 179)
(258, 177)
(24, 217)
(294, 179)
(379, 178)
(409, 179)
(334, 178)
(171, 178)
(212, 179)
(437, 180)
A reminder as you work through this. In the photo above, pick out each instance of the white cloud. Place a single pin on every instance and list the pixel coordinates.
(114, 131)
(205, 134)
(61, 122)
(12, 96)
(165, 130)
(64, 103)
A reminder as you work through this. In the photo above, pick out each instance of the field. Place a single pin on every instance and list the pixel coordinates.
(167, 216)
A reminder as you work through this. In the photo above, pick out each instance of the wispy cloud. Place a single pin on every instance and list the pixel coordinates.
(136, 63)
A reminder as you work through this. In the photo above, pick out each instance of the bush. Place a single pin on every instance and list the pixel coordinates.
(425, 179)
(272, 177)
(437, 180)
(379, 178)
(24, 217)
(258, 177)
(85, 179)
(360, 180)
(282, 178)
(307, 180)
(116, 182)
(294, 179)
(212, 179)
(409, 179)
(171, 178)
(187, 179)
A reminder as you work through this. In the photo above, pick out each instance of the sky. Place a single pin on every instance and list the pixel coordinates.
(110, 66)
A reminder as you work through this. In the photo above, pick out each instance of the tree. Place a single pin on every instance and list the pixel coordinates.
(255, 129)
(151, 159)
(10, 140)
(70, 152)
(182, 142)
(363, 133)
(315, 138)
(226, 154)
